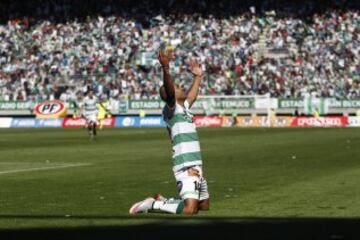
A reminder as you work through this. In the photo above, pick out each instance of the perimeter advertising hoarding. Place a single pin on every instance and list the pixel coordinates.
(354, 121)
(333, 121)
(148, 121)
(261, 121)
(36, 123)
(5, 122)
(208, 121)
(80, 122)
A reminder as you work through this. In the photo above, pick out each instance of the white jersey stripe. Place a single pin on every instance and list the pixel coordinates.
(182, 127)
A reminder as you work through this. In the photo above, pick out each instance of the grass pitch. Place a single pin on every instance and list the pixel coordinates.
(58, 178)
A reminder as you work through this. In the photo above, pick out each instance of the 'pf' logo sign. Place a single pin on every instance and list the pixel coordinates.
(49, 107)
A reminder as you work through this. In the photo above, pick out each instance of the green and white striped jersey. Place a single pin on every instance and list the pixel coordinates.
(184, 138)
(90, 105)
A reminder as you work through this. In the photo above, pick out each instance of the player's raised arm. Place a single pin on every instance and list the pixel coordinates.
(195, 68)
(167, 91)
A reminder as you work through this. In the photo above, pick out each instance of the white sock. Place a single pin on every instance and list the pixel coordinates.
(175, 206)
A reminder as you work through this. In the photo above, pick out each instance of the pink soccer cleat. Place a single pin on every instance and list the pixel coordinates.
(142, 206)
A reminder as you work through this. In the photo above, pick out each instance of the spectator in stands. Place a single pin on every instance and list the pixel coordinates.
(48, 50)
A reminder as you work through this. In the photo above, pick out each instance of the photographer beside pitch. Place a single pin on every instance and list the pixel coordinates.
(186, 159)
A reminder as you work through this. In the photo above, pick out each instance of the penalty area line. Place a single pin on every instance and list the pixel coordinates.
(44, 168)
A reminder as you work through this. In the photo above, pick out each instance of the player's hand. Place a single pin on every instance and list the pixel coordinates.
(163, 58)
(195, 68)
(193, 172)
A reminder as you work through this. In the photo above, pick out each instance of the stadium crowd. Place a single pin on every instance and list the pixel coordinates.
(53, 52)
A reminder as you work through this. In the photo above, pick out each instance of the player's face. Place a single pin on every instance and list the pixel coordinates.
(180, 92)
(91, 94)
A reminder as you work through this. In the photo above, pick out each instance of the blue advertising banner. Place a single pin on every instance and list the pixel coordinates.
(23, 123)
(35, 123)
(152, 122)
(156, 121)
(49, 123)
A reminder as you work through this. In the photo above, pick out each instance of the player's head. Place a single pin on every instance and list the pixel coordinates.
(168, 50)
(180, 93)
(79, 95)
(91, 93)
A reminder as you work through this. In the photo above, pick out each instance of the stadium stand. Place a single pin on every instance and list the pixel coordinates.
(59, 49)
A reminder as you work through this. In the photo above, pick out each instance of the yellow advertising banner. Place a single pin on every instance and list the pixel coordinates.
(257, 121)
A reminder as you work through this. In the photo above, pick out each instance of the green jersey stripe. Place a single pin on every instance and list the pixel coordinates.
(186, 157)
(185, 147)
(185, 137)
(179, 118)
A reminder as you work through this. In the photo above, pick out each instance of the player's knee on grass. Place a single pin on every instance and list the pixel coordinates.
(191, 206)
(204, 205)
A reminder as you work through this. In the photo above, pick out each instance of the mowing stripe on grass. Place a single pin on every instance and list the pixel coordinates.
(44, 168)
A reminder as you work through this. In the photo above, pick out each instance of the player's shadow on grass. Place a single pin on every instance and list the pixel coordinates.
(182, 227)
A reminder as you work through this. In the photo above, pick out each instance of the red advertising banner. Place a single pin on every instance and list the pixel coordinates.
(320, 122)
(73, 122)
(108, 122)
(80, 122)
(282, 122)
(207, 121)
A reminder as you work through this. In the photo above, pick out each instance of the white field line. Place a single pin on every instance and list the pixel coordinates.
(44, 168)
(29, 163)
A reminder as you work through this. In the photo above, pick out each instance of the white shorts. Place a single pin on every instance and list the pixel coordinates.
(191, 186)
(91, 118)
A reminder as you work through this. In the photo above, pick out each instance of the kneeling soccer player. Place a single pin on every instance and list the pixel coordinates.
(186, 159)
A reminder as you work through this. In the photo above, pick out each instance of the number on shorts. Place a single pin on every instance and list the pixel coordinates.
(197, 185)
(179, 186)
